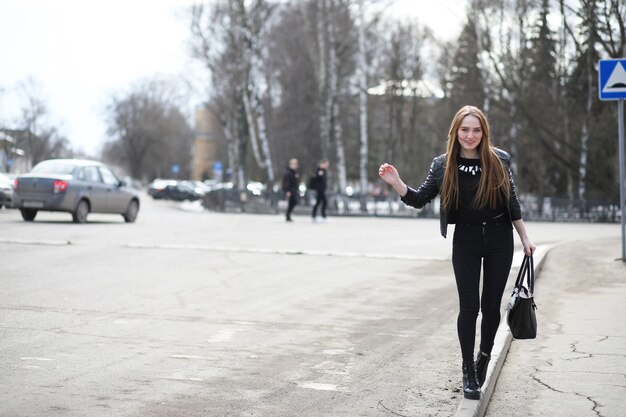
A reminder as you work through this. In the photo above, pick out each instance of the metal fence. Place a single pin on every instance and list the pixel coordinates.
(533, 208)
(562, 210)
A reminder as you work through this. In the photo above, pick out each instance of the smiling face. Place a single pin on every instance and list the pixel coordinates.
(469, 135)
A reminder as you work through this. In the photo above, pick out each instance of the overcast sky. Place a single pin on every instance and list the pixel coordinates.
(79, 52)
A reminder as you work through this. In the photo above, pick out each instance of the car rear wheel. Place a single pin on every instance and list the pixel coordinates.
(28, 214)
(81, 212)
(131, 213)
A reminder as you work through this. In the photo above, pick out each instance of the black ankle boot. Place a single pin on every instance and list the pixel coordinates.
(471, 389)
(482, 362)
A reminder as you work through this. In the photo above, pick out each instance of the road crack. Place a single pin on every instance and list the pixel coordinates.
(595, 405)
(592, 355)
(380, 403)
(587, 397)
(575, 350)
(536, 378)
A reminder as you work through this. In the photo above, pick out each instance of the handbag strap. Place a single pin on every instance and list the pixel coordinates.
(531, 275)
(521, 272)
(526, 270)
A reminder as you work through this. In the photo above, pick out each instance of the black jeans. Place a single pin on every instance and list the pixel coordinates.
(292, 202)
(321, 200)
(492, 245)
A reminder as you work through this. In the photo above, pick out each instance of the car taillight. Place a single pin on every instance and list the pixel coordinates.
(59, 186)
(15, 181)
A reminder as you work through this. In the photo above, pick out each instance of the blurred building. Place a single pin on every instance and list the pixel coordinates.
(207, 134)
(12, 158)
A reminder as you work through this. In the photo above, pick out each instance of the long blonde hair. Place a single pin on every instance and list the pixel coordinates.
(494, 186)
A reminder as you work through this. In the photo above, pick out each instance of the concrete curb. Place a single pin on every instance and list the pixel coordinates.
(502, 343)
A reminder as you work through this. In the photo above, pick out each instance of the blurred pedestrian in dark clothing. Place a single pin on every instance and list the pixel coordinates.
(318, 183)
(291, 184)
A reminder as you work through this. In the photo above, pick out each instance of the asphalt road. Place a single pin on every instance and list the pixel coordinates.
(189, 313)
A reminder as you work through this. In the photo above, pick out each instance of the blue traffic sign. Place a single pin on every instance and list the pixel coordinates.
(612, 79)
(175, 169)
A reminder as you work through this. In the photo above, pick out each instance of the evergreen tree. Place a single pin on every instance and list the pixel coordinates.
(596, 147)
(541, 108)
(465, 83)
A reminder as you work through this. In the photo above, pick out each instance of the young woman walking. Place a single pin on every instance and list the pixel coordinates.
(477, 195)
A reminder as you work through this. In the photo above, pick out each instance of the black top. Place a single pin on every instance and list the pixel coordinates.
(469, 178)
(318, 181)
(434, 180)
(291, 181)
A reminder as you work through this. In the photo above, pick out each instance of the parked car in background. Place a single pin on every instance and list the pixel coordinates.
(175, 190)
(211, 184)
(157, 186)
(75, 186)
(181, 192)
(6, 191)
(200, 186)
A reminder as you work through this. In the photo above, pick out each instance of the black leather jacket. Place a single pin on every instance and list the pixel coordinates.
(291, 181)
(432, 186)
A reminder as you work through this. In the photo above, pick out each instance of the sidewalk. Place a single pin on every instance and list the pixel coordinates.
(577, 364)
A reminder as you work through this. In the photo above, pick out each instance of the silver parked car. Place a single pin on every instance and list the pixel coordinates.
(76, 186)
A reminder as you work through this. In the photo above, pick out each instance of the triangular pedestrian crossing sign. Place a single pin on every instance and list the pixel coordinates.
(612, 79)
(617, 80)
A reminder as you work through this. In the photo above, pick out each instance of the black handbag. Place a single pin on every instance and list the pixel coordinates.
(521, 316)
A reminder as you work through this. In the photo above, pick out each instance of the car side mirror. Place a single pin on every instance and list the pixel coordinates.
(122, 183)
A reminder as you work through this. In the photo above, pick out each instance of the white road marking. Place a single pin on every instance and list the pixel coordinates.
(320, 387)
(284, 252)
(36, 242)
(397, 334)
(342, 373)
(184, 379)
(179, 375)
(206, 358)
(223, 335)
(334, 351)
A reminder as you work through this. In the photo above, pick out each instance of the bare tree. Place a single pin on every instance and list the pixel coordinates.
(334, 97)
(230, 36)
(215, 45)
(36, 135)
(506, 56)
(362, 83)
(33, 113)
(322, 76)
(150, 133)
(253, 21)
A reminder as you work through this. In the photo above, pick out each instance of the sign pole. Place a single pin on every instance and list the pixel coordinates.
(622, 174)
(612, 86)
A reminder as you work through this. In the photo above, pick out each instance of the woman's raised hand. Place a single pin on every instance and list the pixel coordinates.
(389, 174)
